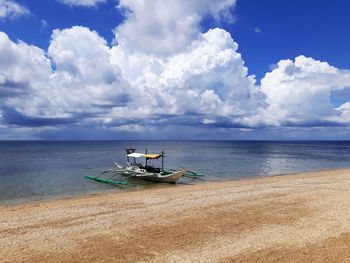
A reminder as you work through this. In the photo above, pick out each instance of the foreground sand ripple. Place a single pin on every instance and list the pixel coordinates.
(293, 218)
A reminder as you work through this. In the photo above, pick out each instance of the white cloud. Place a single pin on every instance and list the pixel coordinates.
(84, 79)
(161, 74)
(88, 3)
(208, 78)
(23, 68)
(164, 27)
(299, 92)
(83, 84)
(12, 9)
(44, 24)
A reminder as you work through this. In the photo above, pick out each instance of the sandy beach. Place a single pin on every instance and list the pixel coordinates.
(292, 218)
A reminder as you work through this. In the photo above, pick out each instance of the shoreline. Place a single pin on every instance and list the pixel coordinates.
(62, 197)
(295, 217)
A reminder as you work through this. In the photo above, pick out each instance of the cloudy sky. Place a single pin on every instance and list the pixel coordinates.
(174, 69)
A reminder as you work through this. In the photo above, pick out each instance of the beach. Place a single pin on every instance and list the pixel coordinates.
(290, 218)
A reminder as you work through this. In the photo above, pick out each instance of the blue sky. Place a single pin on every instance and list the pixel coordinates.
(223, 69)
(317, 29)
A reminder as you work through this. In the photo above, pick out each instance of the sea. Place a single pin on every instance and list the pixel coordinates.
(35, 171)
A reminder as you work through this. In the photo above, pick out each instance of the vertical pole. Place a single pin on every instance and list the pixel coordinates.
(146, 157)
(128, 151)
(162, 161)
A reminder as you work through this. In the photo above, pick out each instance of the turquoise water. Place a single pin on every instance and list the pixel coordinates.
(44, 170)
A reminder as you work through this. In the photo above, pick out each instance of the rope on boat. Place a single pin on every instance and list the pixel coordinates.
(113, 176)
(104, 172)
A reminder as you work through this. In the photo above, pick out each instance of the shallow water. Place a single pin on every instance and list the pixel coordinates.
(43, 170)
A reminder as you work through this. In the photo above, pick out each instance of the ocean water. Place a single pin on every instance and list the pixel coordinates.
(44, 170)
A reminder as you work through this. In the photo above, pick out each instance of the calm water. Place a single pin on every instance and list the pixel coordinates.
(33, 170)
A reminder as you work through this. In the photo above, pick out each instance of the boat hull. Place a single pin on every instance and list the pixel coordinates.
(158, 177)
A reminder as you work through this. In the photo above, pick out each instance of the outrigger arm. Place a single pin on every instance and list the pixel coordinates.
(116, 173)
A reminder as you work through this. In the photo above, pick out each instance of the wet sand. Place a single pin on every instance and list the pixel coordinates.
(291, 218)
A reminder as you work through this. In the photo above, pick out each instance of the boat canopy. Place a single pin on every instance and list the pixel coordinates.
(135, 155)
(152, 156)
(148, 156)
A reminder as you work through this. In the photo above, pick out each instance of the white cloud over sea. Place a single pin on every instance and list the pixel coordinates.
(161, 74)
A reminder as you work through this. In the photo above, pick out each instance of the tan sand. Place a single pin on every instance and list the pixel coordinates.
(293, 218)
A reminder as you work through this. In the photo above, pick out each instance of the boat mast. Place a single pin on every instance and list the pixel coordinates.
(163, 161)
(146, 157)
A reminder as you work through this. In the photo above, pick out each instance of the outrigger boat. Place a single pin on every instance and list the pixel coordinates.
(147, 172)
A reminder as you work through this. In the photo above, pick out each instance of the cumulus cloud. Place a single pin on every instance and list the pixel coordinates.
(79, 88)
(88, 3)
(163, 73)
(208, 79)
(11, 9)
(299, 92)
(23, 69)
(164, 27)
(85, 82)
(84, 78)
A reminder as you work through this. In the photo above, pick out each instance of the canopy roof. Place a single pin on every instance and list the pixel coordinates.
(152, 156)
(149, 156)
(135, 155)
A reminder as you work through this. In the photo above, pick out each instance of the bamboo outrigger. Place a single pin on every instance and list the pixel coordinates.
(146, 172)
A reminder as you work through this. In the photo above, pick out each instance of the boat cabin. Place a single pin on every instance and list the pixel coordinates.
(132, 155)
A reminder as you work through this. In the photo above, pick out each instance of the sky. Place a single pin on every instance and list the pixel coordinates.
(174, 69)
